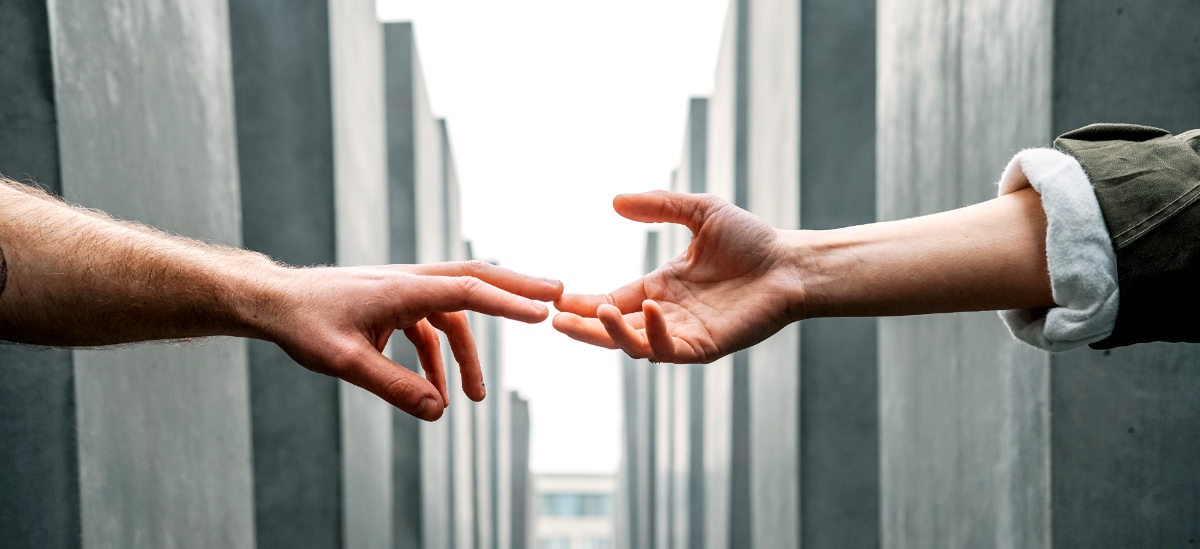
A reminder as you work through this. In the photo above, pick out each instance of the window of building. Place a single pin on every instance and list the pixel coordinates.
(576, 505)
(555, 543)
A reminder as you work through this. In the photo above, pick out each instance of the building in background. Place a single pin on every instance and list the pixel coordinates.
(574, 511)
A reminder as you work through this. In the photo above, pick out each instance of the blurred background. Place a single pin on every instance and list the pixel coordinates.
(363, 132)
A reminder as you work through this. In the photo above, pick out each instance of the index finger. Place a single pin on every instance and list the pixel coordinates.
(627, 298)
(444, 294)
(541, 289)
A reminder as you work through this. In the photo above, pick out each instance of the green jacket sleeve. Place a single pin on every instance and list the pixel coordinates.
(1147, 182)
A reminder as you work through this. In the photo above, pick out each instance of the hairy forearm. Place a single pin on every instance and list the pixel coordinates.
(988, 256)
(78, 277)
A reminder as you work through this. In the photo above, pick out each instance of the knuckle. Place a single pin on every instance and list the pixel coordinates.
(343, 359)
(476, 266)
(470, 287)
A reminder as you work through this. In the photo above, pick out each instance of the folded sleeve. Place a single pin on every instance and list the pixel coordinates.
(1079, 254)
(1147, 185)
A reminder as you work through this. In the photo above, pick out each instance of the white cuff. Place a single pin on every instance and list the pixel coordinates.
(1079, 254)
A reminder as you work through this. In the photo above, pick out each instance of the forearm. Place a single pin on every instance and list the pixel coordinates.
(988, 256)
(77, 277)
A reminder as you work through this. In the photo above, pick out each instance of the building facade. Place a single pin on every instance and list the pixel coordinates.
(574, 511)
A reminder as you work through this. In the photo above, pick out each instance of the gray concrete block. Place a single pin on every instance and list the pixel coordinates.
(839, 433)
(360, 196)
(726, 392)
(417, 205)
(773, 192)
(984, 441)
(522, 496)
(281, 73)
(140, 138)
(643, 465)
(39, 473)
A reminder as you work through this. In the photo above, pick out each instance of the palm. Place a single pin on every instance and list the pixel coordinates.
(722, 294)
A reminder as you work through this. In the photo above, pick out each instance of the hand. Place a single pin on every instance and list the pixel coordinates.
(733, 287)
(336, 321)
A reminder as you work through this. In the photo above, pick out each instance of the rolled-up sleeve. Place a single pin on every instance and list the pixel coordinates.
(1147, 185)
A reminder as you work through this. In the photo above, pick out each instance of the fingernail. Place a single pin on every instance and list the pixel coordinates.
(484, 389)
(428, 409)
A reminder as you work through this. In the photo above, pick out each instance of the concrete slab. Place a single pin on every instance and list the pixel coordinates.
(281, 73)
(139, 138)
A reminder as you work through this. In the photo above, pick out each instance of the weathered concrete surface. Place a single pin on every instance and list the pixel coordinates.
(424, 512)
(726, 444)
(463, 413)
(985, 442)
(522, 514)
(487, 457)
(360, 195)
(773, 189)
(39, 472)
(1125, 426)
(686, 437)
(163, 431)
(640, 466)
(963, 408)
(664, 502)
(838, 399)
(281, 73)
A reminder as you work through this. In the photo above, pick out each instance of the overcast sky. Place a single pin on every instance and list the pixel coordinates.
(554, 107)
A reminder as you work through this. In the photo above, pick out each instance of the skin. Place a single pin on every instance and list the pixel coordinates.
(741, 280)
(77, 277)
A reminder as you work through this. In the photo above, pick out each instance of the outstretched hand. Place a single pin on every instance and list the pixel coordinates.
(336, 321)
(733, 287)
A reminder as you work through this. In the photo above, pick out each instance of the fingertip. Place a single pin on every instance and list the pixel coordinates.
(429, 410)
(540, 313)
(608, 310)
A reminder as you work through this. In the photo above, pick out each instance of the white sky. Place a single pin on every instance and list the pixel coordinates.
(554, 107)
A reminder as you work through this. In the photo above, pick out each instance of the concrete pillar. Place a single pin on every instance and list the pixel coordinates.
(492, 441)
(686, 381)
(809, 150)
(286, 157)
(726, 381)
(145, 141)
(39, 469)
(424, 513)
(984, 441)
(463, 413)
(521, 489)
(666, 507)
(360, 195)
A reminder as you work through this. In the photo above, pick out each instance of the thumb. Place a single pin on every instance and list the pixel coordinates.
(690, 210)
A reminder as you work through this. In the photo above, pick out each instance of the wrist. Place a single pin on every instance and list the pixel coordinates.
(798, 261)
(822, 265)
(255, 292)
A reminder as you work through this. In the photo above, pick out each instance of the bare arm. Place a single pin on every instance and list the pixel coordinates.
(740, 280)
(78, 277)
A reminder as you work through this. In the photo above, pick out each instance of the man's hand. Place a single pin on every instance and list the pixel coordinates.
(733, 286)
(336, 321)
(80, 278)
